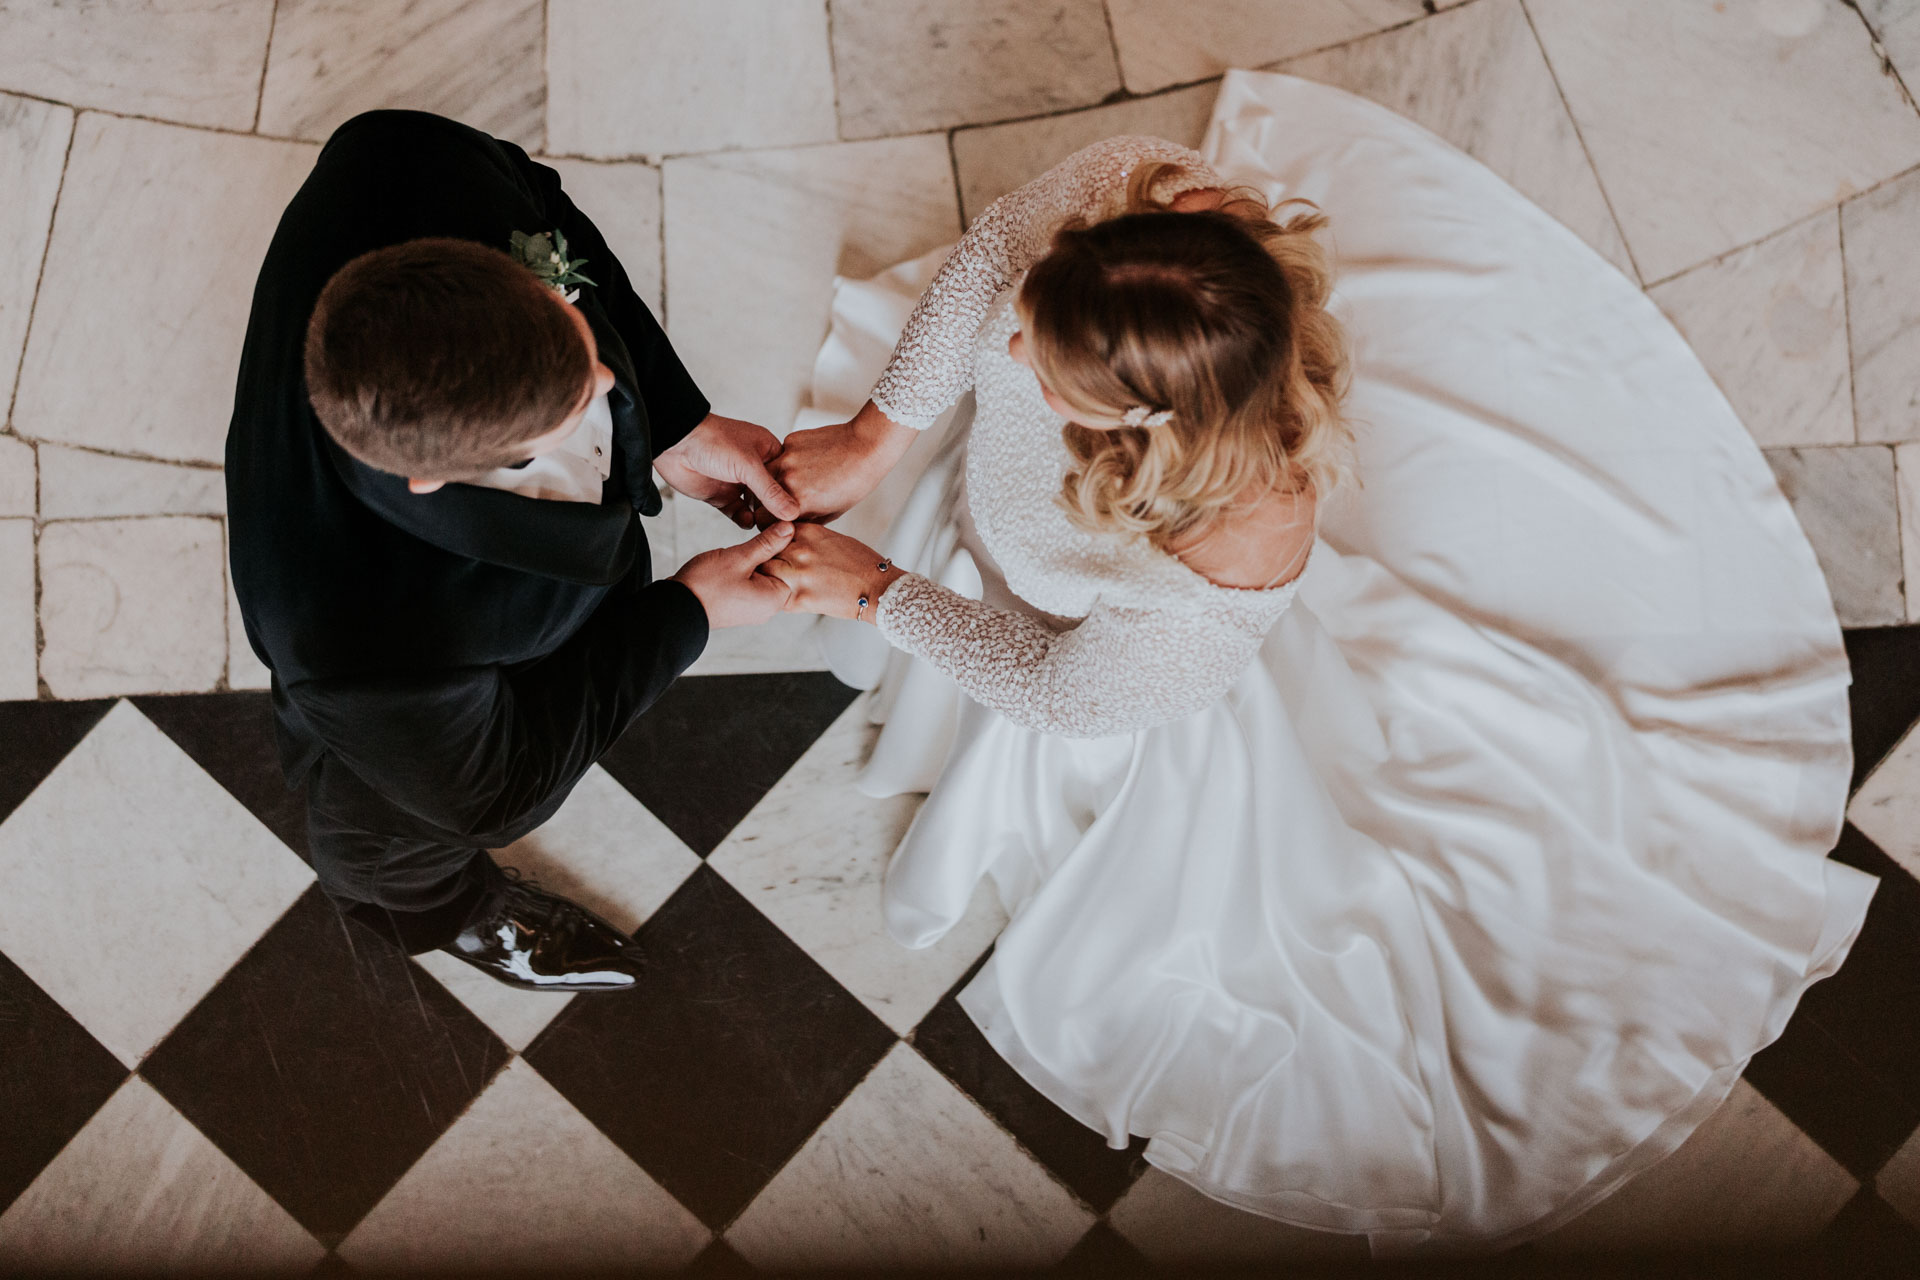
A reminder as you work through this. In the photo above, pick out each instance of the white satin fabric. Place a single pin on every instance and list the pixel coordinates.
(1476, 893)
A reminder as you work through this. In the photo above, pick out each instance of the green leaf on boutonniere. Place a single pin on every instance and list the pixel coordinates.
(546, 256)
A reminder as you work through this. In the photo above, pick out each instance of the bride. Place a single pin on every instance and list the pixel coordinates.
(1410, 799)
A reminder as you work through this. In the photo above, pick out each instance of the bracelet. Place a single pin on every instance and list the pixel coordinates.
(860, 614)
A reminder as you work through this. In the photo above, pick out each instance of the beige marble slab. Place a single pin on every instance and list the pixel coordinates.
(1898, 1182)
(623, 200)
(996, 159)
(524, 1182)
(1906, 467)
(1897, 24)
(1712, 125)
(132, 606)
(1174, 1225)
(902, 66)
(482, 62)
(754, 240)
(811, 857)
(666, 77)
(1769, 322)
(909, 1173)
(1478, 79)
(19, 477)
(140, 1190)
(1163, 44)
(130, 835)
(194, 61)
(81, 484)
(1844, 498)
(244, 670)
(1882, 235)
(143, 304)
(1748, 1178)
(33, 154)
(1887, 806)
(19, 661)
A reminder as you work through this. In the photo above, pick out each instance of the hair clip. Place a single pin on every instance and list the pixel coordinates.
(1141, 416)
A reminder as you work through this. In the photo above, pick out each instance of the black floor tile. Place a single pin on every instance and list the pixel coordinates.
(230, 735)
(38, 736)
(1885, 697)
(1819, 1086)
(325, 1064)
(704, 755)
(723, 1061)
(718, 1261)
(1869, 1239)
(1075, 1154)
(53, 1076)
(1102, 1253)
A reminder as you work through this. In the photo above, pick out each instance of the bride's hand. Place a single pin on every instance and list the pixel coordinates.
(830, 468)
(828, 572)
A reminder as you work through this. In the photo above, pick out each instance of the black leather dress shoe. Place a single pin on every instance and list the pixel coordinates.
(529, 938)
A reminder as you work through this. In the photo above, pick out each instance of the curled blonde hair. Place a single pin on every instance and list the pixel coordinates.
(1217, 320)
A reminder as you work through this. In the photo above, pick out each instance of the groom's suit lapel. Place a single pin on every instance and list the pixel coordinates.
(632, 436)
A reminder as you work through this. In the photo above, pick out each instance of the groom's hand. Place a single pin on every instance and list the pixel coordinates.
(730, 585)
(828, 469)
(723, 461)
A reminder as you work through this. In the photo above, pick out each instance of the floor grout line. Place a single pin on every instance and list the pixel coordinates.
(39, 278)
(266, 60)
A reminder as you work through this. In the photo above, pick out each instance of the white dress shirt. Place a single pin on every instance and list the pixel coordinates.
(572, 473)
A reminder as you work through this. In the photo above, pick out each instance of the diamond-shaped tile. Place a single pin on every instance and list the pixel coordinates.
(1176, 1226)
(910, 1173)
(172, 877)
(324, 1065)
(811, 857)
(1868, 1237)
(53, 1077)
(1886, 809)
(1885, 697)
(1075, 1154)
(703, 755)
(523, 1182)
(1898, 1181)
(141, 1190)
(230, 735)
(730, 1052)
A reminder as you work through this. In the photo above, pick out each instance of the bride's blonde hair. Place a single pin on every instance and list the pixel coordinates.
(1217, 319)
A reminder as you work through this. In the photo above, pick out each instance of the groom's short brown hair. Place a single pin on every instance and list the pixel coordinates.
(439, 358)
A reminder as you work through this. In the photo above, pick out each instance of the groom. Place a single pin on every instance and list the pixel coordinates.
(438, 458)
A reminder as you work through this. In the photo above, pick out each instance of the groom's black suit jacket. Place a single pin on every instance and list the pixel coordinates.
(458, 658)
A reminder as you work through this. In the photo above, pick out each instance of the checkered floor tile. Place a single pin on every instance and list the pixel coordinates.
(202, 1064)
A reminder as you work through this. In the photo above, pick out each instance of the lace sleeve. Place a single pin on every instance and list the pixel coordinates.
(933, 363)
(1120, 670)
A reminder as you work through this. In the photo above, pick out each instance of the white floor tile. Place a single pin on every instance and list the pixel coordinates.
(1898, 1182)
(755, 239)
(604, 850)
(1748, 1177)
(811, 856)
(663, 77)
(1906, 466)
(19, 477)
(1174, 1225)
(623, 200)
(1714, 125)
(1162, 44)
(1769, 322)
(1881, 231)
(19, 661)
(1478, 79)
(198, 63)
(523, 1181)
(173, 877)
(140, 1189)
(1887, 806)
(999, 158)
(132, 606)
(1897, 24)
(902, 66)
(80, 484)
(478, 61)
(158, 269)
(1844, 499)
(910, 1173)
(33, 152)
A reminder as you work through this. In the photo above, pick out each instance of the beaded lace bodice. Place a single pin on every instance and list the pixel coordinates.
(1138, 638)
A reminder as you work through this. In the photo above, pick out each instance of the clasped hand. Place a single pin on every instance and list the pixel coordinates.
(744, 471)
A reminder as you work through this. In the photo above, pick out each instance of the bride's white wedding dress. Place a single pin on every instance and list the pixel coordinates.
(1467, 891)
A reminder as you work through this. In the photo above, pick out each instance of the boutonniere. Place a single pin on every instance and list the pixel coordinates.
(546, 256)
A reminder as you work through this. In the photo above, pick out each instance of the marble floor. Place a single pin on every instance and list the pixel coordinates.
(806, 1094)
